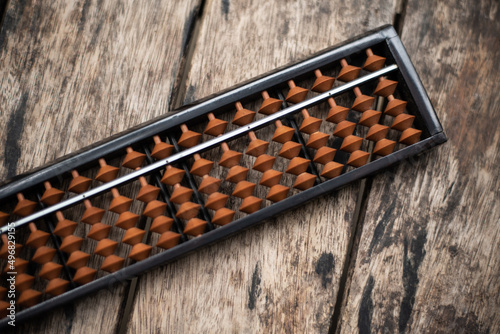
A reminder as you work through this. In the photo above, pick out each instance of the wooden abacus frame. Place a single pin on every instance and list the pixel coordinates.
(384, 40)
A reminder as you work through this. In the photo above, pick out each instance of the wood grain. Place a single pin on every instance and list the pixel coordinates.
(429, 254)
(73, 73)
(284, 275)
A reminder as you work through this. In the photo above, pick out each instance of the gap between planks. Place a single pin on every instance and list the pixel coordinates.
(177, 96)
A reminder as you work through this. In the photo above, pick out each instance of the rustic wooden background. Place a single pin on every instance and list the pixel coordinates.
(413, 249)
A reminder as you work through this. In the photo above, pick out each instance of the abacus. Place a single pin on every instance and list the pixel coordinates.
(209, 170)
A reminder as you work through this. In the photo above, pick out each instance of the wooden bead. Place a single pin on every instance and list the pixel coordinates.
(277, 193)
(140, 252)
(105, 247)
(99, 231)
(112, 263)
(250, 204)
(209, 184)
(264, 162)
(324, 155)
(154, 209)
(236, 174)
(385, 87)
(384, 147)
(402, 122)
(243, 189)
(223, 216)
(322, 82)
(377, 132)
(297, 166)
(78, 259)
(410, 136)
(370, 117)
(195, 227)
(270, 178)
(188, 210)
(84, 275)
(133, 159)
(181, 194)
(56, 286)
(290, 150)
(71, 243)
(161, 224)
(317, 140)
(168, 240)
(133, 236)
(216, 201)
(304, 181)
(50, 270)
(172, 176)
(43, 254)
(127, 220)
(344, 129)
(358, 158)
(337, 114)
(351, 143)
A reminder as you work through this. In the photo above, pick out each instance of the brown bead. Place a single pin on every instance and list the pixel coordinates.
(216, 127)
(236, 174)
(107, 173)
(304, 181)
(189, 139)
(19, 265)
(370, 117)
(223, 216)
(283, 134)
(140, 252)
(112, 263)
(324, 155)
(133, 236)
(384, 147)
(322, 82)
(181, 194)
(79, 184)
(377, 132)
(24, 281)
(230, 158)
(162, 150)
(37, 238)
(216, 201)
(78, 259)
(243, 189)
(161, 224)
(43, 254)
(71, 243)
(290, 150)
(332, 169)
(395, 107)
(250, 204)
(374, 63)
(4, 251)
(317, 140)
(348, 73)
(188, 210)
(172, 176)
(24, 207)
(127, 220)
(92, 214)
(310, 125)
(4, 309)
(50, 270)
(29, 298)
(277, 193)
(4, 218)
(264, 162)
(195, 227)
(363, 103)
(358, 158)
(385, 87)
(257, 147)
(148, 193)
(84, 275)
(270, 178)
(243, 117)
(344, 129)
(351, 143)
(296, 95)
(168, 240)
(209, 184)
(410, 136)
(65, 227)
(99, 231)
(402, 122)
(201, 167)
(105, 247)
(270, 105)
(337, 114)
(56, 287)
(297, 165)
(120, 204)
(133, 159)
(154, 209)
(51, 195)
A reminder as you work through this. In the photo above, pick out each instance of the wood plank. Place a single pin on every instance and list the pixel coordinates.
(429, 253)
(282, 276)
(73, 73)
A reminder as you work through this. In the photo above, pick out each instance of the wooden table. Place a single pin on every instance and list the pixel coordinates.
(412, 249)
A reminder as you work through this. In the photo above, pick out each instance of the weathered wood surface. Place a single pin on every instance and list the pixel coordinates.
(428, 259)
(73, 73)
(282, 276)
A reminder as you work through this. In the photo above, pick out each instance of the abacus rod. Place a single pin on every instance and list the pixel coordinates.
(200, 147)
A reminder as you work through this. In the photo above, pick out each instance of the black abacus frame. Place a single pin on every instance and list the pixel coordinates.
(385, 35)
